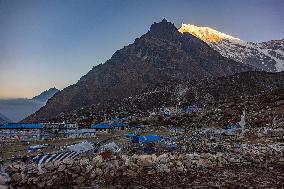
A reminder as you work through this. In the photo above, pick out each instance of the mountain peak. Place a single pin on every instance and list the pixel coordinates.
(163, 29)
(53, 88)
(44, 96)
(206, 34)
(164, 20)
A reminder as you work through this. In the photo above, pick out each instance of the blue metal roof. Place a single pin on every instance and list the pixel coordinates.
(101, 126)
(22, 126)
(119, 125)
(231, 126)
(230, 129)
(130, 135)
(188, 109)
(149, 139)
(143, 139)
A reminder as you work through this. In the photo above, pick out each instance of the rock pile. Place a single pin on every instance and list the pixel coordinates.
(96, 168)
(4, 178)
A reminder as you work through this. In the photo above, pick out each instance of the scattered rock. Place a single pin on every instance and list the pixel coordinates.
(80, 180)
(3, 187)
(62, 168)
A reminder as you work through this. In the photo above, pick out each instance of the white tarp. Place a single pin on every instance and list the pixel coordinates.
(81, 147)
(113, 147)
(36, 147)
(242, 123)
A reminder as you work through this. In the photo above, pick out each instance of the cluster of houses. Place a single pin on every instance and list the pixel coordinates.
(38, 131)
(111, 126)
(43, 131)
(172, 110)
(19, 131)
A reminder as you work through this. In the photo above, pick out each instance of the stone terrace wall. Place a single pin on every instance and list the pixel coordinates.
(96, 168)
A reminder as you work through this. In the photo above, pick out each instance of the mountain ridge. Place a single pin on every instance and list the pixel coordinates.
(45, 95)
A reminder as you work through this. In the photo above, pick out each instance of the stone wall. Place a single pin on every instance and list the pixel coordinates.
(96, 168)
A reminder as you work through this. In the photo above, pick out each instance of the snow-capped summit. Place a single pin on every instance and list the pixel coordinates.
(267, 56)
(206, 34)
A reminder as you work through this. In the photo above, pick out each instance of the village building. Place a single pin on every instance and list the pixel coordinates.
(120, 126)
(80, 133)
(113, 124)
(23, 131)
(102, 127)
(59, 128)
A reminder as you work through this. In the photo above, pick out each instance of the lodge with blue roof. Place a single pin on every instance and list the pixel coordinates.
(22, 126)
(36, 131)
(143, 139)
(113, 124)
(23, 131)
(119, 123)
(102, 127)
(119, 126)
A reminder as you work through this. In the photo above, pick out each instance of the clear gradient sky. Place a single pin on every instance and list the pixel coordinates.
(47, 43)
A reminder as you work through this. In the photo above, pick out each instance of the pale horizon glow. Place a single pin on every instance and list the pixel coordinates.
(45, 44)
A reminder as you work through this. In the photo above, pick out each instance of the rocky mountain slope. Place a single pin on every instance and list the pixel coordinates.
(44, 96)
(204, 93)
(161, 55)
(236, 87)
(267, 56)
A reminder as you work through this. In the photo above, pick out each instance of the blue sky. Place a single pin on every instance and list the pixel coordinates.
(47, 43)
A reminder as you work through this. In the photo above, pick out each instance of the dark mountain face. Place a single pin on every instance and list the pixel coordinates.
(161, 55)
(44, 96)
(228, 89)
(204, 93)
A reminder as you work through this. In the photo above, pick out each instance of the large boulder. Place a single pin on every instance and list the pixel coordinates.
(164, 158)
(145, 160)
(161, 168)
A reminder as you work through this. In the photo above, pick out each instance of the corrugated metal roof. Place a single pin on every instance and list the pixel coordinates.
(149, 139)
(22, 126)
(130, 135)
(101, 126)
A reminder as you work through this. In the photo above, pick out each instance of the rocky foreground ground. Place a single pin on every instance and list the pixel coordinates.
(250, 168)
(225, 177)
(228, 177)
